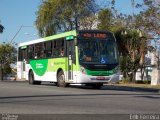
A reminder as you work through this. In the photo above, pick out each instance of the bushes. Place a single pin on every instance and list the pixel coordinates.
(127, 80)
(143, 82)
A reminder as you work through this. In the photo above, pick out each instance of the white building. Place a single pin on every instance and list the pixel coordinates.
(152, 72)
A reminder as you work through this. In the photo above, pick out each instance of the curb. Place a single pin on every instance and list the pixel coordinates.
(129, 88)
(13, 81)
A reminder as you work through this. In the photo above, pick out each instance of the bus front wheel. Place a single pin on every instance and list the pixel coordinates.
(31, 79)
(61, 80)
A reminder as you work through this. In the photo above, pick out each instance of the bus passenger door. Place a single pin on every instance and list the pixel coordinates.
(70, 55)
(21, 64)
(24, 70)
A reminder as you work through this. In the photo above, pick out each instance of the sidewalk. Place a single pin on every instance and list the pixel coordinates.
(135, 87)
(13, 81)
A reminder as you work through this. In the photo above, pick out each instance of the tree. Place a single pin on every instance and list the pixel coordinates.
(105, 19)
(148, 21)
(7, 57)
(130, 45)
(62, 15)
(144, 22)
(1, 28)
(89, 22)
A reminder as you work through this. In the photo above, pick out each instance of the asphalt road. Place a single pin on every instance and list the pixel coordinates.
(22, 98)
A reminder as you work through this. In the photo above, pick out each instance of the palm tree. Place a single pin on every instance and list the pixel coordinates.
(1, 28)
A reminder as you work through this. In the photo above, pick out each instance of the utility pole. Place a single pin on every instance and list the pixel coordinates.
(20, 28)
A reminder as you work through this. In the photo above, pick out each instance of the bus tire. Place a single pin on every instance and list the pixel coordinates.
(61, 79)
(31, 79)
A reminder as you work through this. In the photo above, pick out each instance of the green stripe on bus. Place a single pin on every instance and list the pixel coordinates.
(100, 73)
(74, 33)
(39, 66)
(56, 63)
(23, 47)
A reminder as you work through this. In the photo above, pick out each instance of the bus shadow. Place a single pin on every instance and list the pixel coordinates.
(104, 87)
(110, 87)
(119, 88)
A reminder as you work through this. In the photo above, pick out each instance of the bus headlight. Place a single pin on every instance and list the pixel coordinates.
(83, 70)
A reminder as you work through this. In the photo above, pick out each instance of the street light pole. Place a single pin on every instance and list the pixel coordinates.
(22, 26)
(16, 34)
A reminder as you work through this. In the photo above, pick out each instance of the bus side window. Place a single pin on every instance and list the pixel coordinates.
(30, 51)
(61, 47)
(39, 51)
(42, 54)
(58, 48)
(22, 54)
(54, 46)
(48, 48)
(62, 52)
(19, 54)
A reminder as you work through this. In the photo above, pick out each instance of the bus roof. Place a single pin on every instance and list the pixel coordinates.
(53, 37)
(61, 35)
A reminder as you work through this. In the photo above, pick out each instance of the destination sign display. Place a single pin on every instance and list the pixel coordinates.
(93, 35)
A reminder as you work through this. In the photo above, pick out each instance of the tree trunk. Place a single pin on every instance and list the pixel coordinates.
(76, 23)
(142, 71)
(1, 73)
(134, 76)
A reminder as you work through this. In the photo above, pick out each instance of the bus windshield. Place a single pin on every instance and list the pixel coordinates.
(98, 51)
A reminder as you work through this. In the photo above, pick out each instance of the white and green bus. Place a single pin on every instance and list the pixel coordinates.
(87, 57)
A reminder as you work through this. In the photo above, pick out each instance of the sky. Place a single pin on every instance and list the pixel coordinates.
(17, 13)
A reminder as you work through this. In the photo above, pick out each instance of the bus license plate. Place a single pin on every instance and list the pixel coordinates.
(100, 78)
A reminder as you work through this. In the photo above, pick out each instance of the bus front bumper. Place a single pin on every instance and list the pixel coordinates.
(83, 78)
